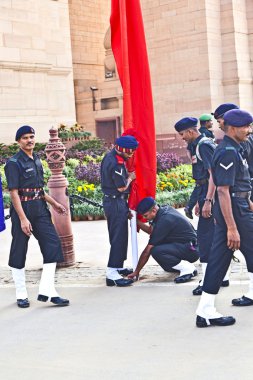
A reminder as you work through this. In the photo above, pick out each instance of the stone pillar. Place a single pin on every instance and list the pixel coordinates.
(57, 185)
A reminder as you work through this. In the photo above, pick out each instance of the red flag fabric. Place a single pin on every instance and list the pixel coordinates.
(130, 53)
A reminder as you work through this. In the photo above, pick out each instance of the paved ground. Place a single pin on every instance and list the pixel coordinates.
(146, 331)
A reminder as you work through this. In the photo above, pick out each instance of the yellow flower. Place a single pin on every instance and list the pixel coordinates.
(79, 189)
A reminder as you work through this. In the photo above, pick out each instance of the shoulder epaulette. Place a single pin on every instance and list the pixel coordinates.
(230, 148)
(13, 159)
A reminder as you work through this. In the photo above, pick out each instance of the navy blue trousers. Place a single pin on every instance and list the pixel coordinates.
(43, 230)
(205, 229)
(116, 212)
(220, 255)
(170, 254)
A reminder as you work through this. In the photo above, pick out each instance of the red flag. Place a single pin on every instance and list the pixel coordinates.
(130, 53)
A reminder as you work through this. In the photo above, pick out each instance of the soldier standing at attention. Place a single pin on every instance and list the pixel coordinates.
(30, 215)
(233, 213)
(201, 155)
(115, 183)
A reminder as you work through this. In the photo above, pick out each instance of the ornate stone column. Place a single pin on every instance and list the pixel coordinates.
(57, 185)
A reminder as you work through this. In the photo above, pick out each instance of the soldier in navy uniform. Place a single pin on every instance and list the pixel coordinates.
(2, 222)
(205, 130)
(172, 242)
(201, 155)
(221, 110)
(206, 125)
(233, 213)
(115, 183)
(30, 215)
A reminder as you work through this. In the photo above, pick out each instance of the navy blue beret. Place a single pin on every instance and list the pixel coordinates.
(185, 123)
(23, 130)
(237, 118)
(219, 112)
(126, 143)
(145, 205)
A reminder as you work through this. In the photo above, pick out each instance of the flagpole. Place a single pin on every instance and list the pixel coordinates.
(133, 224)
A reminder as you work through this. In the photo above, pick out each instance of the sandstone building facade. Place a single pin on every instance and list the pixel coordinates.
(56, 64)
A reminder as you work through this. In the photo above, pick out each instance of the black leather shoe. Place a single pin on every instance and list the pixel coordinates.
(55, 300)
(197, 291)
(185, 277)
(222, 321)
(225, 283)
(244, 301)
(188, 212)
(121, 282)
(125, 271)
(23, 303)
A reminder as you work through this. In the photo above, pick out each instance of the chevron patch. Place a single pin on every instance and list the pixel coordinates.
(119, 173)
(227, 167)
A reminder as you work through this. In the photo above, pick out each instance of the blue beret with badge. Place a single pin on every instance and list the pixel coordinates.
(237, 118)
(186, 123)
(219, 112)
(145, 205)
(23, 131)
(126, 144)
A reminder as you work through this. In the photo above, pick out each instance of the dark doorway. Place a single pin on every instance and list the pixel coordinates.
(108, 130)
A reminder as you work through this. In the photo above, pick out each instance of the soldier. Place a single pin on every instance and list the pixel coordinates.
(233, 215)
(172, 242)
(115, 182)
(205, 130)
(30, 215)
(220, 111)
(206, 125)
(2, 222)
(201, 155)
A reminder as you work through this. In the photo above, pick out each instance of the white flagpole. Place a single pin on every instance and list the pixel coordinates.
(134, 241)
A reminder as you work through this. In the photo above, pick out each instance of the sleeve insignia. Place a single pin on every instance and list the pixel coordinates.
(228, 166)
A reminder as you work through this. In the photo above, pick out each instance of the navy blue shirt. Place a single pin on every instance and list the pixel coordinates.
(200, 168)
(169, 226)
(229, 167)
(113, 174)
(206, 132)
(23, 172)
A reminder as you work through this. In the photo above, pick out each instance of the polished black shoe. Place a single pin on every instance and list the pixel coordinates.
(244, 301)
(222, 321)
(55, 300)
(23, 303)
(225, 283)
(121, 282)
(197, 291)
(185, 277)
(125, 271)
(188, 212)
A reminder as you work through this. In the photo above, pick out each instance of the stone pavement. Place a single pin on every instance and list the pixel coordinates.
(143, 332)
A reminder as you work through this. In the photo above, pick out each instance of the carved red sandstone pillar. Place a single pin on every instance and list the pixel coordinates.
(57, 185)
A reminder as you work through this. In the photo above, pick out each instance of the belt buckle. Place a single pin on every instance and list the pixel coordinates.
(36, 194)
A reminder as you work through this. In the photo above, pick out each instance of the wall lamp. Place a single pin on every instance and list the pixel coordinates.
(93, 89)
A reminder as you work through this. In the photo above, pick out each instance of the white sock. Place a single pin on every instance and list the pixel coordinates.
(204, 265)
(47, 287)
(113, 274)
(206, 307)
(185, 267)
(19, 280)
(250, 292)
